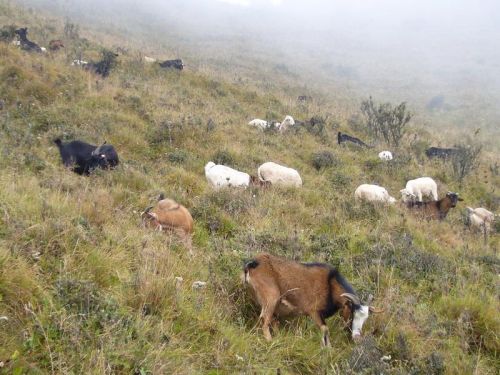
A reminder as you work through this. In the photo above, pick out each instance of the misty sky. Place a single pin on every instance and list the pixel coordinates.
(408, 50)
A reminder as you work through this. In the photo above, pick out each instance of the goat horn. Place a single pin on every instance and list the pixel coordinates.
(374, 310)
(354, 298)
(146, 211)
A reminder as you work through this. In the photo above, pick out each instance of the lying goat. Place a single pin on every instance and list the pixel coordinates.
(435, 209)
(172, 216)
(283, 287)
(25, 43)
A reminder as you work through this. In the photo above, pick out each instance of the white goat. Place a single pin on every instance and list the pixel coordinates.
(259, 124)
(286, 123)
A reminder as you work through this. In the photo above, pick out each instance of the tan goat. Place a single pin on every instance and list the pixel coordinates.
(283, 287)
(171, 216)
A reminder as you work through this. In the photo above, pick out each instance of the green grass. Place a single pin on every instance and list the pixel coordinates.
(88, 290)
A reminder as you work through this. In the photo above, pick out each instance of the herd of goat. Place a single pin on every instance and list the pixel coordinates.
(102, 67)
(280, 286)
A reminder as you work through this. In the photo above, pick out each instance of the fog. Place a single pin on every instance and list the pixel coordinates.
(392, 49)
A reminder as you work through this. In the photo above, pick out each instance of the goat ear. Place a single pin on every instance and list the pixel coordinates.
(461, 199)
(374, 310)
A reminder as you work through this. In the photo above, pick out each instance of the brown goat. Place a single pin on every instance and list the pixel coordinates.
(283, 287)
(55, 45)
(435, 209)
(172, 216)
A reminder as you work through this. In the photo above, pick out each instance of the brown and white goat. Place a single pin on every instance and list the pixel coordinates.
(435, 209)
(283, 287)
(171, 216)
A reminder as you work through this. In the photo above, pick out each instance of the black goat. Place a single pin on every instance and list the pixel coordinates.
(342, 138)
(83, 157)
(177, 64)
(26, 44)
(443, 153)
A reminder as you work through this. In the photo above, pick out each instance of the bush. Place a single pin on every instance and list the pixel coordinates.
(316, 125)
(223, 157)
(385, 121)
(7, 33)
(177, 156)
(324, 159)
(465, 160)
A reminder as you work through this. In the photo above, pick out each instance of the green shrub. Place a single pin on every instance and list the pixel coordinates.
(7, 33)
(177, 156)
(223, 157)
(324, 159)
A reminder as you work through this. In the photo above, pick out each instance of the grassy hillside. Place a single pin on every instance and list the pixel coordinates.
(86, 289)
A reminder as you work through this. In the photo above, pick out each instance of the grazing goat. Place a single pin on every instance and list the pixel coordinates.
(220, 175)
(283, 287)
(418, 188)
(55, 45)
(259, 124)
(373, 193)
(435, 209)
(26, 44)
(83, 157)
(437, 152)
(169, 215)
(480, 218)
(176, 64)
(342, 138)
(279, 175)
(385, 155)
(286, 123)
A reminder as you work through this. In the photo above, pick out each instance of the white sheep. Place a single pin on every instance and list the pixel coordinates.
(385, 155)
(373, 193)
(279, 175)
(416, 189)
(220, 175)
(481, 218)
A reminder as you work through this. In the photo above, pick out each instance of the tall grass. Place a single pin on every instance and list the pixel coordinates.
(86, 289)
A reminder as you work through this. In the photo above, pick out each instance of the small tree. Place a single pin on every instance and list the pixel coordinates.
(71, 31)
(385, 121)
(464, 160)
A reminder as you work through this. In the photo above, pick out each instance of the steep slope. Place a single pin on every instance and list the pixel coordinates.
(86, 289)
